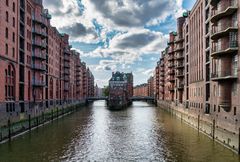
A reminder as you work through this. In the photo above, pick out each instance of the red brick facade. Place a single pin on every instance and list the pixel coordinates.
(38, 69)
(198, 72)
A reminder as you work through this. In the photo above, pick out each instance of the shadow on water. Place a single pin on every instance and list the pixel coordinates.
(141, 132)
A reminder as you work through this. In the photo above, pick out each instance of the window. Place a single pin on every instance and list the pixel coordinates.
(13, 37)
(7, 3)
(13, 7)
(10, 83)
(6, 49)
(7, 15)
(13, 22)
(6, 33)
(13, 52)
(234, 111)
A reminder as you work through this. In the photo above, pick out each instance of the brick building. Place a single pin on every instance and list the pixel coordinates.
(140, 90)
(38, 69)
(198, 72)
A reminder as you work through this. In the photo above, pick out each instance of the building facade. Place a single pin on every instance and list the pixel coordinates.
(197, 75)
(141, 90)
(38, 69)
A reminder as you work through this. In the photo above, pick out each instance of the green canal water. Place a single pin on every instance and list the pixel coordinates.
(140, 133)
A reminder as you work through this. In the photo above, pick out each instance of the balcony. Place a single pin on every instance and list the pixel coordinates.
(179, 57)
(225, 75)
(66, 58)
(171, 88)
(171, 58)
(38, 83)
(39, 67)
(162, 69)
(219, 50)
(224, 30)
(170, 42)
(180, 86)
(170, 50)
(172, 65)
(66, 88)
(43, 34)
(171, 72)
(67, 51)
(179, 49)
(180, 74)
(66, 72)
(38, 20)
(179, 40)
(226, 105)
(41, 45)
(66, 65)
(172, 79)
(180, 65)
(40, 56)
(228, 7)
(66, 78)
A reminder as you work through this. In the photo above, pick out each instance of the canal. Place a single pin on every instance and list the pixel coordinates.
(139, 133)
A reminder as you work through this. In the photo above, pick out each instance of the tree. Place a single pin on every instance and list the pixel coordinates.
(106, 91)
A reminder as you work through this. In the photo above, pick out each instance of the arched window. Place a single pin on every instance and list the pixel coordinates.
(10, 88)
(10, 83)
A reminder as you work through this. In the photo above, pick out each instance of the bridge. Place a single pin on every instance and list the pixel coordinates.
(96, 98)
(142, 98)
(134, 98)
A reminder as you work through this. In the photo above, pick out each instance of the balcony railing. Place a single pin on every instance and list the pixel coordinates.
(171, 57)
(179, 39)
(39, 32)
(224, 8)
(180, 86)
(171, 88)
(179, 56)
(39, 67)
(41, 56)
(224, 29)
(171, 65)
(42, 45)
(38, 20)
(224, 75)
(179, 48)
(38, 83)
(67, 51)
(66, 65)
(219, 49)
(180, 65)
(180, 74)
(226, 105)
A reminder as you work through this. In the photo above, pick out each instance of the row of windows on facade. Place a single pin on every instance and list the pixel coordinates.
(13, 5)
(200, 105)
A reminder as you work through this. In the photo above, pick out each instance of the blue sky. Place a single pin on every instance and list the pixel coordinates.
(123, 35)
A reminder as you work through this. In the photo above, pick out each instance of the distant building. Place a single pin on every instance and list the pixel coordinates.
(120, 89)
(141, 90)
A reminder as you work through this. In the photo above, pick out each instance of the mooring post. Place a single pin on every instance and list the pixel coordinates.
(43, 120)
(239, 141)
(9, 129)
(198, 121)
(52, 114)
(213, 132)
(57, 112)
(29, 122)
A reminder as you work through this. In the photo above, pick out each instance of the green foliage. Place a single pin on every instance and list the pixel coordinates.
(106, 91)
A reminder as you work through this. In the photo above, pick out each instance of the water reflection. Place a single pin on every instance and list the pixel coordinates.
(139, 133)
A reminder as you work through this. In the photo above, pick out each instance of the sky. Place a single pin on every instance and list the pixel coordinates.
(118, 35)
